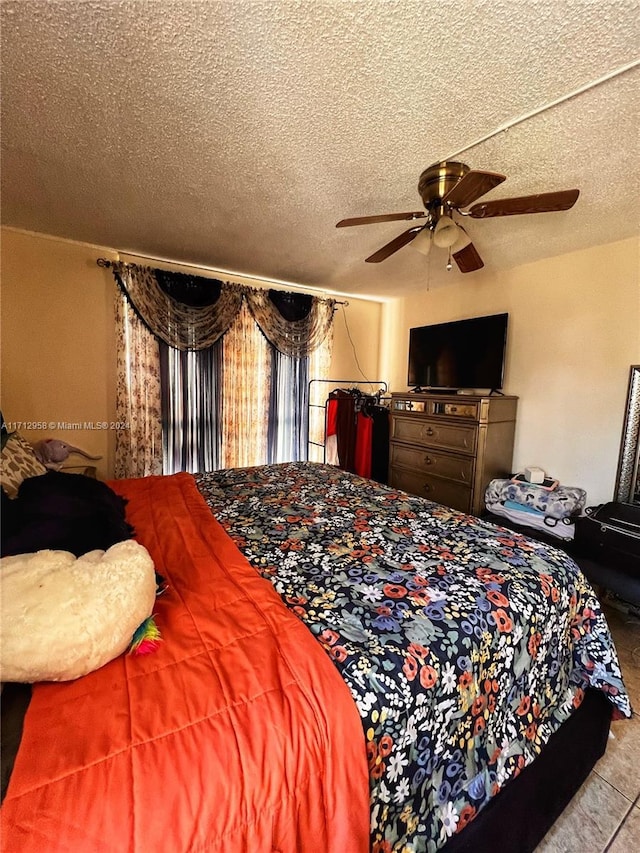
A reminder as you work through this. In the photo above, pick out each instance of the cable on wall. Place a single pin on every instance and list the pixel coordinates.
(355, 354)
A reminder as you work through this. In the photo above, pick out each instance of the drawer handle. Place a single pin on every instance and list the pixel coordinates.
(428, 460)
(429, 431)
(427, 487)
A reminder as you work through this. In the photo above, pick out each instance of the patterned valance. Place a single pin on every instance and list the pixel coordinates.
(192, 312)
(291, 337)
(182, 326)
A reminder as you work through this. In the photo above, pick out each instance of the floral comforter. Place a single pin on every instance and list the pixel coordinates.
(465, 646)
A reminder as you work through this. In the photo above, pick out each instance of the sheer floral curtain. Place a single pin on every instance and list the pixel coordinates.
(212, 373)
(139, 441)
(245, 390)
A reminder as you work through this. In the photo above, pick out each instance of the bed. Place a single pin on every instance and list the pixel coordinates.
(344, 667)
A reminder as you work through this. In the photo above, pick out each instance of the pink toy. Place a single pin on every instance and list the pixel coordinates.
(52, 452)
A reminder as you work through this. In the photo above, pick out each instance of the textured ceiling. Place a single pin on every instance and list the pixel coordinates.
(236, 133)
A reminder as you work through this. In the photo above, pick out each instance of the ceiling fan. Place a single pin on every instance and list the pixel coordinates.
(445, 188)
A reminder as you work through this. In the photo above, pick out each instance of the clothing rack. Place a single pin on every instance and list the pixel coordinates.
(341, 385)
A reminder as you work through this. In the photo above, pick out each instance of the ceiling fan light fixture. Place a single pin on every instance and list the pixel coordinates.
(422, 241)
(462, 242)
(446, 233)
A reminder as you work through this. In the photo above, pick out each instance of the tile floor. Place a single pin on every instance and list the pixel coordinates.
(604, 816)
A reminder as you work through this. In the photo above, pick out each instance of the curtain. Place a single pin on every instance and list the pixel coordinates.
(223, 371)
(176, 312)
(246, 392)
(191, 408)
(300, 330)
(216, 401)
(139, 443)
(288, 408)
(295, 323)
(192, 312)
(296, 422)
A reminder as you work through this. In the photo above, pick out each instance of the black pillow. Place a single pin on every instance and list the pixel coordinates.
(9, 518)
(64, 512)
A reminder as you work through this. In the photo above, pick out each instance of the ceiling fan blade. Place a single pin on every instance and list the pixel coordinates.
(383, 217)
(468, 259)
(542, 203)
(474, 184)
(395, 244)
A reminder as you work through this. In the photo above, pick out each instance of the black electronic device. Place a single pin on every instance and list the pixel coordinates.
(459, 354)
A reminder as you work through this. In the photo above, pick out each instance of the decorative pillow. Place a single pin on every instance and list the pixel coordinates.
(62, 617)
(17, 463)
(64, 512)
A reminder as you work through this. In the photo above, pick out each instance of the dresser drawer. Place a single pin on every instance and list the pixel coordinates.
(446, 492)
(430, 432)
(458, 468)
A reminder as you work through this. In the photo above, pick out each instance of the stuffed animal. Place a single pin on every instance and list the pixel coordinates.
(52, 452)
(62, 617)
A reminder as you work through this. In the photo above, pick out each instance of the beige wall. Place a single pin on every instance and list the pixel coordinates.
(57, 346)
(574, 330)
(356, 351)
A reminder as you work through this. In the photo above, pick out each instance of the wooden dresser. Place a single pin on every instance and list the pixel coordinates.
(447, 447)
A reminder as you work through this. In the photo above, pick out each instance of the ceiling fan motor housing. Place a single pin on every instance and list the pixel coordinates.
(437, 180)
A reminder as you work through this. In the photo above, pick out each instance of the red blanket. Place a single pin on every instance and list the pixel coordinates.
(237, 735)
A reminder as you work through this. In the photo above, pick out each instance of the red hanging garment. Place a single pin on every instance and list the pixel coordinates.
(332, 417)
(345, 426)
(364, 437)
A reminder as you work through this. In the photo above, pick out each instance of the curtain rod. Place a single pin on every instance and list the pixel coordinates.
(104, 262)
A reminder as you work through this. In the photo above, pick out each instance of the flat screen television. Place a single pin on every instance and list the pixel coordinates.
(463, 354)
